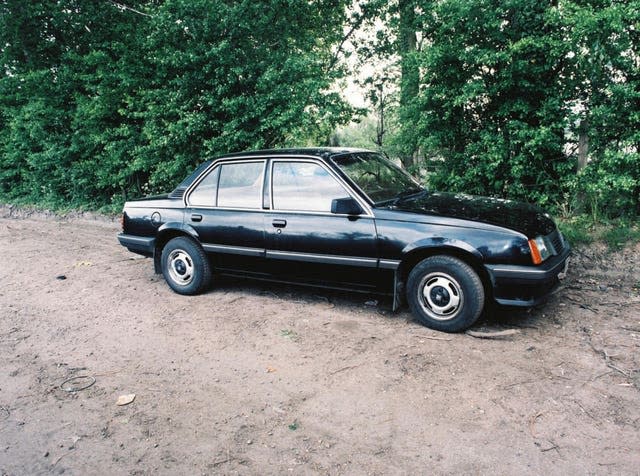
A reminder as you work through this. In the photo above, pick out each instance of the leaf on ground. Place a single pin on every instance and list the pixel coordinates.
(125, 399)
(288, 334)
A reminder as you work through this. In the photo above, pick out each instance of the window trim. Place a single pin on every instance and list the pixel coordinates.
(365, 207)
(220, 163)
(268, 208)
(201, 178)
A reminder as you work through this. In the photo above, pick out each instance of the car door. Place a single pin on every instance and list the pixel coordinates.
(225, 209)
(304, 240)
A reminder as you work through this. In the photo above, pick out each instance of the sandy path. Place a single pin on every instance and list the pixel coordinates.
(265, 379)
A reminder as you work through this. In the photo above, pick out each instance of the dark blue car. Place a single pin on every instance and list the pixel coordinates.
(348, 219)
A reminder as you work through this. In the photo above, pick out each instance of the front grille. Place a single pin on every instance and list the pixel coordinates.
(557, 241)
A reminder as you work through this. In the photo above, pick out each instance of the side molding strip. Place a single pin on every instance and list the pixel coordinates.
(308, 257)
(324, 259)
(234, 250)
(389, 264)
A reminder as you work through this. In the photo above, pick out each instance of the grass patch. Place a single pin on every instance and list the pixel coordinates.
(616, 236)
(60, 208)
(578, 231)
(615, 233)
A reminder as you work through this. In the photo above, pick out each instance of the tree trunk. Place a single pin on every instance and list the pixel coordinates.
(410, 80)
(583, 148)
(380, 128)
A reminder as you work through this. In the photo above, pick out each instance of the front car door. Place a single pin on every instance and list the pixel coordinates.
(305, 241)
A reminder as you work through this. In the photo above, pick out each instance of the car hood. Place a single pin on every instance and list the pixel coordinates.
(518, 216)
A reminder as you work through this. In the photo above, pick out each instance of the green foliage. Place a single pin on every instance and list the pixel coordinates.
(577, 230)
(609, 186)
(619, 234)
(507, 90)
(490, 101)
(360, 134)
(99, 101)
(582, 230)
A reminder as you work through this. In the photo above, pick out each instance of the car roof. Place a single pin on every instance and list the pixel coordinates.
(320, 152)
(323, 152)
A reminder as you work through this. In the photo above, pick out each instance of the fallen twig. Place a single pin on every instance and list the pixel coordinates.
(434, 338)
(108, 373)
(553, 447)
(59, 458)
(492, 335)
(518, 383)
(584, 306)
(585, 411)
(532, 422)
(218, 463)
(606, 356)
(343, 369)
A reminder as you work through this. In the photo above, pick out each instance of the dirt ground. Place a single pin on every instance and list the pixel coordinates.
(265, 379)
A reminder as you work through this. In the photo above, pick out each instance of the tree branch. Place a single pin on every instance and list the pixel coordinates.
(352, 30)
(125, 7)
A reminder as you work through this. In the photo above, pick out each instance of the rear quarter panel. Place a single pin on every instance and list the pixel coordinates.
(144, 217)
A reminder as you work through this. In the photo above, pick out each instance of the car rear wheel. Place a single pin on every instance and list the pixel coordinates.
(185, 266)
(445, 293)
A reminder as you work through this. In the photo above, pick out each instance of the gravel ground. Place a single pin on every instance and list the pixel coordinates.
(264, 379)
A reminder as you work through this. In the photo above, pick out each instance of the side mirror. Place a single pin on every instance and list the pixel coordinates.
(345, 206)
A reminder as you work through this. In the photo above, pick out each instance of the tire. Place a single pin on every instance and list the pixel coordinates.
(185, 266)
(445, 293)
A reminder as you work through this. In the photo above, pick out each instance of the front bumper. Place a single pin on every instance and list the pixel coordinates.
(142, 245)
(526, 286)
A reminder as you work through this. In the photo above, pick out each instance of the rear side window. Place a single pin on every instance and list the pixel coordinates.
(240, 185)
(205, 193)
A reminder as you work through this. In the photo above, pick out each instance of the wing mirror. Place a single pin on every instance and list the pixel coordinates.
(345, 206)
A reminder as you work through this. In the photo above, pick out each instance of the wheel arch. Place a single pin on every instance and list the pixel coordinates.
(456, 249)
(167, 232)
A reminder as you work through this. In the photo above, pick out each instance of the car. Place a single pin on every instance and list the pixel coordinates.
(348, 219)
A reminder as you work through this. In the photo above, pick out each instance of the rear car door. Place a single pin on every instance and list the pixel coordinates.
(304, 240)
(225, 208)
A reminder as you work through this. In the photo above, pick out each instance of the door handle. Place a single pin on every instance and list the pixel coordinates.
(279, 223)
(196, 217)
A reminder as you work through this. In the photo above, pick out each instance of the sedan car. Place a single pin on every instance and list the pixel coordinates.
(348, 219)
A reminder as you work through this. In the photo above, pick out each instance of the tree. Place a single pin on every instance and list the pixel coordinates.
(491, 105)
(67, 67)
(101, 100)
(511, 98)
(602, 72)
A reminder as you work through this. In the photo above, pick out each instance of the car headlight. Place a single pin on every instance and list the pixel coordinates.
(540, 251)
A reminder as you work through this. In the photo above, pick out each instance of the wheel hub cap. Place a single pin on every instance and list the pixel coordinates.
(441, 296)
(181, 267)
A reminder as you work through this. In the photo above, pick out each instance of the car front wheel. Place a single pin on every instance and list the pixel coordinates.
(185, 266)
(445, 293)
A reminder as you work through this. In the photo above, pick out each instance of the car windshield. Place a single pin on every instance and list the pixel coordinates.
(381, 180)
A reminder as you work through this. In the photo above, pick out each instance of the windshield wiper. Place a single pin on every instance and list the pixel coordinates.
(401, 196)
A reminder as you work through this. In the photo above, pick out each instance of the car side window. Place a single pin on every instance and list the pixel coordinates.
(204, 195)
(304, 186)
(240, 185)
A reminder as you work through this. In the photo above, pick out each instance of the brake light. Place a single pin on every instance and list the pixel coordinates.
(122, 221)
